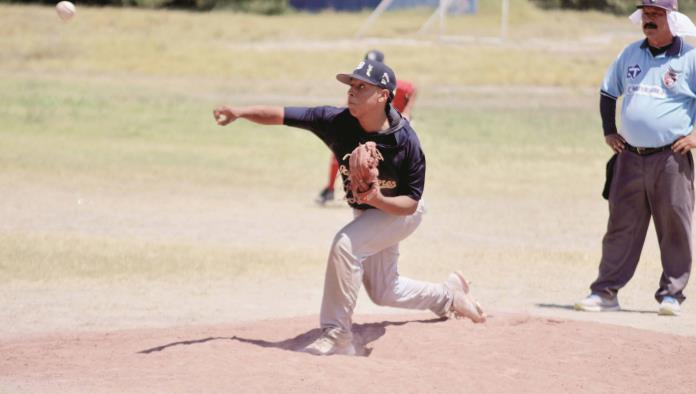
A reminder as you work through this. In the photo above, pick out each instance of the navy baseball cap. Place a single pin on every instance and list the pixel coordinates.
(669, 5)
(373, 72)
(376, 55)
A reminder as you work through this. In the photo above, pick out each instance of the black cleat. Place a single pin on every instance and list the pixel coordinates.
(324, 196)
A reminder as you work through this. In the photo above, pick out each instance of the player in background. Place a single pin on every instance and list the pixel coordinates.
(404, 99)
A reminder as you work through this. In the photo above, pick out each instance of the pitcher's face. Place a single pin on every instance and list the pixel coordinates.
(364, 97)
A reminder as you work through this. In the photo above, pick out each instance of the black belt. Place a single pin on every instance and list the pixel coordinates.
(645, 151)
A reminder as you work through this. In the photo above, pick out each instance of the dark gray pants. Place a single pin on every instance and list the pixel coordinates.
(660, 185)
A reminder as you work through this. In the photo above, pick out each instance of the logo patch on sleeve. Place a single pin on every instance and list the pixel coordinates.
(633, 71)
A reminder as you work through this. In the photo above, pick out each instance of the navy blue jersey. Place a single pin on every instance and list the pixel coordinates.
(402, 173)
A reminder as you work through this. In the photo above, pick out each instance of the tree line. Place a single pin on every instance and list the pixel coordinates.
(272, 7)
(613, 6)
(269, 7)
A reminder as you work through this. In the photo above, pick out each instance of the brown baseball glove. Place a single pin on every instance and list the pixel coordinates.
(363, 164)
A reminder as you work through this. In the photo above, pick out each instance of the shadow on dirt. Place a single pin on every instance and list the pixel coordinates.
(572, 308)
(363, 335)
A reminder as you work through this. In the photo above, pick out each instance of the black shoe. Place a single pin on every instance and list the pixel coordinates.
(324, 196)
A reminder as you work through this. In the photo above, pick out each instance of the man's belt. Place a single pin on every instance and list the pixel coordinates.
(645, 151)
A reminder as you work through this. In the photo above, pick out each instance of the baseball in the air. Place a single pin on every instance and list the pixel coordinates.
(65, 10)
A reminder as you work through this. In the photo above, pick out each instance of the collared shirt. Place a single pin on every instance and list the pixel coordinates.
(659, 103)
(402, 173)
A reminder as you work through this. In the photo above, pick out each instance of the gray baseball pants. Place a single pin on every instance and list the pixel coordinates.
(660, 185)
(366, 251)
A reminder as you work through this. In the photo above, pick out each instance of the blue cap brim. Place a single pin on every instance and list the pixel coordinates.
(346, 78)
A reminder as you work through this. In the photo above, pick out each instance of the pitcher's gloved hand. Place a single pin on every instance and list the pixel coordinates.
(363, 164)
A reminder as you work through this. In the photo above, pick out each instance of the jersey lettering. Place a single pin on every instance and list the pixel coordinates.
(645, 90)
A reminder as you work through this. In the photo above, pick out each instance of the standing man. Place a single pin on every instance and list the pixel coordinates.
(653, 170)
(366, 250)
(404, 99)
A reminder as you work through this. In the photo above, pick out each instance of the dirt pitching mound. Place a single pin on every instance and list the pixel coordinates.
(400, 353)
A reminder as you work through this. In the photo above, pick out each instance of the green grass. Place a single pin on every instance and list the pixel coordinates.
(121, 99)
(543, 48)
(52, 258)
(117, 133)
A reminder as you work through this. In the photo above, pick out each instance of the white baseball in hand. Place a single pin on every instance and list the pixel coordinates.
(221, 118)
(65, 10)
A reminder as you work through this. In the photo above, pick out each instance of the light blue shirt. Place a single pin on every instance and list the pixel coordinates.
(659, 103)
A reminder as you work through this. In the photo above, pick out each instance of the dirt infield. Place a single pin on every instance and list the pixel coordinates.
(232, 334)
(402, 353)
